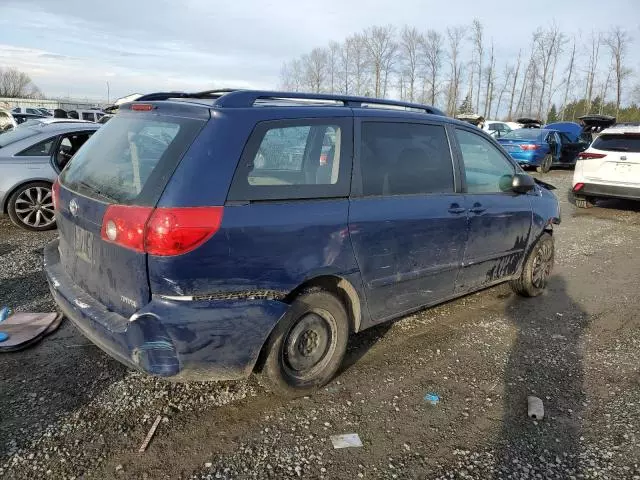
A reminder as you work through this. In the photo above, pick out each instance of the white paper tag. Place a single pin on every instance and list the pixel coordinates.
(346, 440)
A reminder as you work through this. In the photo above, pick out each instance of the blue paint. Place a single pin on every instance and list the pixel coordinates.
(207, 313)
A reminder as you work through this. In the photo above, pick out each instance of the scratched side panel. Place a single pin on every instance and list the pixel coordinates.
(270, 246)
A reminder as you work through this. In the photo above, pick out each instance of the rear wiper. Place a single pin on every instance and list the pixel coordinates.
(95, 191)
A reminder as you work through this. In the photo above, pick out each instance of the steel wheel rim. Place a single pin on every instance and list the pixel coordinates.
(542, 265)
(34, 207)
(315, 333)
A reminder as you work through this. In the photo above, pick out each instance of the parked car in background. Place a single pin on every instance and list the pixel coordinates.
(7, 122)
(49, 120)
(542, 148)
(30, 159)
(23, 117)
(105, 118)
(513, 125)
(86, 115)
(221, 233)
(496, 128)
(610, 167)
(31, 110)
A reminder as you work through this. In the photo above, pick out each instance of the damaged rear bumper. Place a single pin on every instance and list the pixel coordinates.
(183, 340)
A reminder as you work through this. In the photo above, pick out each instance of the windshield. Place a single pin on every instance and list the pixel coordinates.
(524, 134)
(16, 134)
(618, 143)
(121, 159)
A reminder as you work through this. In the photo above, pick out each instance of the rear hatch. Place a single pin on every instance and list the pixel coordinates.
(121, 172)
(613, 158)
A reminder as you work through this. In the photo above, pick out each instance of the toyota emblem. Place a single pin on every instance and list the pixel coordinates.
(73, 207)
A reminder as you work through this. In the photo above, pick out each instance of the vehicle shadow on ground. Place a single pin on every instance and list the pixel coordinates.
(618, 204)
(361, 343)
(545, 361)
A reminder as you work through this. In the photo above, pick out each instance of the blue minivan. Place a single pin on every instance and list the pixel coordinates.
(206, 236)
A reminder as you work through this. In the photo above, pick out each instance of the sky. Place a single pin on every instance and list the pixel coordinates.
(76, 47)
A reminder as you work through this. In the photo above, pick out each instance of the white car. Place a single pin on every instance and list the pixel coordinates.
(7, 122)
(610, 167)
(496, 128)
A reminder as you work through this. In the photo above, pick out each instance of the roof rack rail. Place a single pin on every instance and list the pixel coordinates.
(247, 98)
(158, 96)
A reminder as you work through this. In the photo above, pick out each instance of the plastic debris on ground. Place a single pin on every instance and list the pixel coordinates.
(21, 330)
(535, 407)
(346, 440)
(432, 398)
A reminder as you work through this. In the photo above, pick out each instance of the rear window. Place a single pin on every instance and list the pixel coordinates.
(618, 143)
(524, 134)
(16, 135)
(128, 161)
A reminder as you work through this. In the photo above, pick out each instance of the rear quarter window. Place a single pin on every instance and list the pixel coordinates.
(618, 142)
(295, 159)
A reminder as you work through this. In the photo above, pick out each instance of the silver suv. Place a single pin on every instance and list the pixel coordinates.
(30, 159)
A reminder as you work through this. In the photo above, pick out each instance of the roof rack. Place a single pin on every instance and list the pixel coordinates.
(231, 98)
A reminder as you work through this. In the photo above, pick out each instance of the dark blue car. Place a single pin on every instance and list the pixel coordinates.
(210, 235)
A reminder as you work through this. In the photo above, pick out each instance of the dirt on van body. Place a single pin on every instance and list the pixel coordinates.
(69, 411)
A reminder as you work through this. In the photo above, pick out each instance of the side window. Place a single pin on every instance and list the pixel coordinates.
(42, 149)
(405, 159)
(295, 159)
(69, 145)
(33, 111)
(87, 116)
(486, 168)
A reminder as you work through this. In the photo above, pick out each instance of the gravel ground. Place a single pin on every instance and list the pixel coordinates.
(69, 411)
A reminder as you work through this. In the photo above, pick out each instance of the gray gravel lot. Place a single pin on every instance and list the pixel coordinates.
(69, 411)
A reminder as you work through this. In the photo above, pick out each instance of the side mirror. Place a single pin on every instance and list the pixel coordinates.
(522, 183)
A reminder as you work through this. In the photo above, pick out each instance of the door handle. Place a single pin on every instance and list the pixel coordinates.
(477, 208)
(457, 209)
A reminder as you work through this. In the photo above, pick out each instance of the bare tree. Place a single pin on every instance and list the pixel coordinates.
(455, 35)
(513, 88)
(477, 36)
(333, 59)
(433, 52)
(568, 80)
(506, 77)
(381, 47)
(315, 69)
(411, 43)
(489, 91)
(592, 68)
(17, 84)
(548, 44)
(360, 64)
(618, 41)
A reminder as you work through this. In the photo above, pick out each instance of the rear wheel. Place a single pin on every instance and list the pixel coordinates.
(31, 207)
(545, 165)
(537, 268)
(307, 346)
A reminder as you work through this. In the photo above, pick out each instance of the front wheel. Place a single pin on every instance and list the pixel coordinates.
(31, 207)
(537, 268)
(545, 166)
(307, 347)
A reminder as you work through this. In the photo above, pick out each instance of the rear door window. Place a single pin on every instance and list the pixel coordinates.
(128, 160)
(405, 159)
(618, 143)
(295, 160)
(88, 116)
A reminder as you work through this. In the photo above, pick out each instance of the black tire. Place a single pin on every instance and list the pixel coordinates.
(545, 166)
(316, 321)
(18, 203)
(536, 269)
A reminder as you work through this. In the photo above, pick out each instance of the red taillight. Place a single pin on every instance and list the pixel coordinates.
(324, 158)
(55, 194)
(578, 186)
(142, 107)
(125, 225)
(527, 146)
(590, 155)
(173, 231)
(160, 231)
